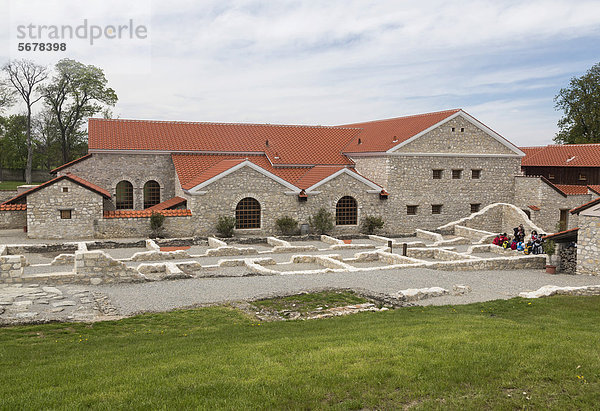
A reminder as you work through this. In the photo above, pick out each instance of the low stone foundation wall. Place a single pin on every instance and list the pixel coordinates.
(471, 233)
(13, 219)
(140, 227)
(97, 267)
(11, 268)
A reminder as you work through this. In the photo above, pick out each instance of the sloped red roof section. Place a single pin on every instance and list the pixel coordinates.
(566, 155)
(70, 163)
(78, 180)
(382, 135)
(572, 190)
(284, 144)
(165, 205)
(316, 174)
(13, 207)
(194, 169)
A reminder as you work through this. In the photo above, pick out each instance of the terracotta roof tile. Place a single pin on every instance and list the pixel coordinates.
(572, 190)
(567, 233)
(146, 213)
(284, 144)
(314, 175)
(585, 206)
(13, 207)
(382, 135)
(70, 163)
(172, 202)
(567, 155)
(534, 207)
(78, 180)
(595, 188)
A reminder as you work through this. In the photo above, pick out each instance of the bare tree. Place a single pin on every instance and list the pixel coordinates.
(26, 77)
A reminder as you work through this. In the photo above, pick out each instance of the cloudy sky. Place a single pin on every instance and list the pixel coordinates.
(330, 62)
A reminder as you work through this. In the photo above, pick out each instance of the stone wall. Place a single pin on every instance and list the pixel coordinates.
(106, 170)
(567, 259)
(97, 267)
(11, 268)
(588, 245)
(13, 219)
(374, 168)
(44, 211)
(534, 191)
(140, 227)
(7, 195)
(223, 196)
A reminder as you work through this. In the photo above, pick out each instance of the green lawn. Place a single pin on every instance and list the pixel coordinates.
(504, 354)
(10, 185)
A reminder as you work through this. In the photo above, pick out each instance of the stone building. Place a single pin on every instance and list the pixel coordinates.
(418, 171)
(588, 238)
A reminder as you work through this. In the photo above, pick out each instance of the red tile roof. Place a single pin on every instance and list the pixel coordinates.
(314, 175)
(146, 213)
(567, 234)
(585, 206)
(567, 155)
(382, 135)
(595, 189)
(13, 207)
(172, 202)
(534, 207)
(194, 169)
(529, 151)
(572, 190)
(72, 177)
(70, 163)
(284, 144)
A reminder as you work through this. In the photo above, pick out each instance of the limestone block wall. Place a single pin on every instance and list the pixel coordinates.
(411, 183)
(588, 245)
(97, 267)
(107, 169)
(11, 268)
(223, 196)
(44, 211)
(534, 191)
(140, 227)
(7, 195)
(374, 168)
(13, 219)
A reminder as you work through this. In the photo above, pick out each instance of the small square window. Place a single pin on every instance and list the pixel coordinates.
(475, 208)
(456, 174)
(582, 177)
(436, 209)
(411, 210)
(65, 214)
(475, 174)
(437, 174)
(462, 129)
(65, 189)
(550, 176)
(453, 129)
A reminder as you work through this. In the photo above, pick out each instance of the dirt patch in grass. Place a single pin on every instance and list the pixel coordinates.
(309, 302)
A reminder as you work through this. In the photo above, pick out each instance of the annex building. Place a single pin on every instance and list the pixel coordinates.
(417, 171)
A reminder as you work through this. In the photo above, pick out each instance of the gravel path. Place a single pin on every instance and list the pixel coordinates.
(486, 285)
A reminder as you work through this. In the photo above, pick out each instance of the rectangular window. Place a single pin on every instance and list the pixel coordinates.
(436, 209)
(456, 174)
(65, 189)
(475, 174)
(437, 174)
(550, 176)
(582, 177)
(411, 210)
(475, 207)
(65, 214)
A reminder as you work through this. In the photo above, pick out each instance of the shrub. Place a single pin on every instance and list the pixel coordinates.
(372, 223)
(549, 248)
(225, 226)
(156, 223)
(322, 222)
(287, 225)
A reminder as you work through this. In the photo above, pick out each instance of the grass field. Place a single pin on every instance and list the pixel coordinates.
(10, 185)
(503, 354)
(308, 302)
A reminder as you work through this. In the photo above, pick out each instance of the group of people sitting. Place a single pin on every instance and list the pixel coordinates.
(533, 246)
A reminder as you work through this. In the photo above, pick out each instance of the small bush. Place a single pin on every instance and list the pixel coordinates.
(372, 223)
(287, 225)
(225, 226)
(322, 222)
(156, 223)
(549, 247)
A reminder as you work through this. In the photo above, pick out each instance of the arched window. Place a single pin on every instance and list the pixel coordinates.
(247, 213)
(151, 194)
(346, 211)
(124, 197)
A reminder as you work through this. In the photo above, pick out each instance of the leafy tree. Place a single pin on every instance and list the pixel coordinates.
(13, 147)
(580, 102)
(26, 78)
(76, 92)
(7, 96)
(45, 129)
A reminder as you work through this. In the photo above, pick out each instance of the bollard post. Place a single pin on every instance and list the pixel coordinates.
(390, 246)
(404, 249)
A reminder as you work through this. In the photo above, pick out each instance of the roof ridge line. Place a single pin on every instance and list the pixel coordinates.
(455, 110)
